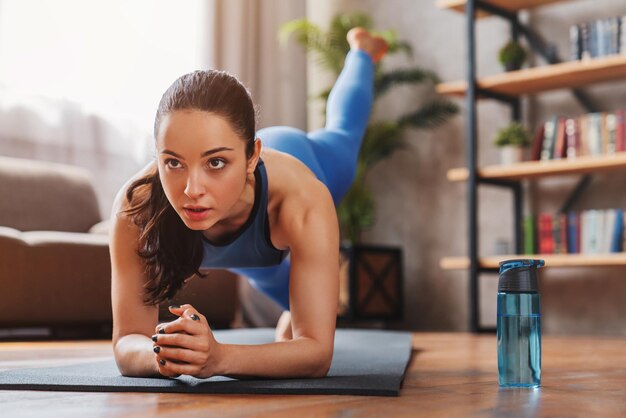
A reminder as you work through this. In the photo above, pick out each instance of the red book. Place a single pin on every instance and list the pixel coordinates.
(620, 131)
(546, 238)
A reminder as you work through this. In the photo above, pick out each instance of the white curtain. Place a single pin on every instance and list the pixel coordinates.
(244, 35)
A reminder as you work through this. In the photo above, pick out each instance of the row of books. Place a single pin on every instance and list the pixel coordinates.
(598, 38)
(590, 134)
(587, 232)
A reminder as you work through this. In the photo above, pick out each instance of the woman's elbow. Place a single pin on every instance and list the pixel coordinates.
(322, 365)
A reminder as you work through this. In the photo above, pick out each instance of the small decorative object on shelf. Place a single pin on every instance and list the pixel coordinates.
(512, 140)
(512, 55)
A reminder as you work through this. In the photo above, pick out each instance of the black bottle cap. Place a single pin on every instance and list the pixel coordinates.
(519, 275)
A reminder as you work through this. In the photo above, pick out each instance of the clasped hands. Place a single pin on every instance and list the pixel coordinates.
(186, 345)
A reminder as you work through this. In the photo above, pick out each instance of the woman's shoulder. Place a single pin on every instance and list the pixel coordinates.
(294, 190)
(289, 178)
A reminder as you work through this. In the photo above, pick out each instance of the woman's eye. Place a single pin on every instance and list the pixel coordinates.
(217, 163)
(170, 163)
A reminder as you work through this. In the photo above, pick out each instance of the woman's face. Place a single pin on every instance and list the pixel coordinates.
(202, 166)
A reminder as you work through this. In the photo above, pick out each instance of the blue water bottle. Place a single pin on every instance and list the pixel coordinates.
(519, 324)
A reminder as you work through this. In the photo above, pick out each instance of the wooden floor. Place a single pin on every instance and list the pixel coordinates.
(452, 375)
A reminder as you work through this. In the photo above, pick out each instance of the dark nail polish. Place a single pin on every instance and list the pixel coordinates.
(174, 306)
(162, 362)
(195, 317)
(154, 338)
(157, 349)
(161, 330)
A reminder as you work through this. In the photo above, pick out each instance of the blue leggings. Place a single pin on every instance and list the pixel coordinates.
(331, 153)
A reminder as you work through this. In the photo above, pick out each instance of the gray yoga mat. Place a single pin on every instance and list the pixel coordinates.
(365, 362)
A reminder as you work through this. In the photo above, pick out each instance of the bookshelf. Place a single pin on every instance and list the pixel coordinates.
(509, 5)
(508, 87)
(537, 169)
(553, 260)
(545, 78)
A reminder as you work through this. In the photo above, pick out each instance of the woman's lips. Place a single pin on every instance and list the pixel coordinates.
(196, 214)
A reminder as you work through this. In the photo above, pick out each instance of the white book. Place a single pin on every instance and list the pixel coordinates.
(611, 131)
(570, 135)
(607, 233)
(592, 231)
(594, 129)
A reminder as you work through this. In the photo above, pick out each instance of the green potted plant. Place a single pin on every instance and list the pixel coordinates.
(512, 55)
(358, 208)
(512, 140)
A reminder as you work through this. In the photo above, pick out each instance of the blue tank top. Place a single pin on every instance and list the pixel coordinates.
(251, 246)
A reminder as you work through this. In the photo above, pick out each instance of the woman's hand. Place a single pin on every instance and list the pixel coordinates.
(186, 345)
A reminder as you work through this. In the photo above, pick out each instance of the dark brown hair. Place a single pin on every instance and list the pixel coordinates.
(171, 251)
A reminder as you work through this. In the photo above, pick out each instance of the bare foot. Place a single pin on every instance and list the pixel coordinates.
(283, 327)
(375, 46)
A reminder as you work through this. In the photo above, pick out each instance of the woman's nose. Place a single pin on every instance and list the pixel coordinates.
(195, 186)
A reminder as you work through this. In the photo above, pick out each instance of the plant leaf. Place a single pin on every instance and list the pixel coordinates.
(430, 116)
(402, 76)
(313, 39)
(380, 141)
(357, 211)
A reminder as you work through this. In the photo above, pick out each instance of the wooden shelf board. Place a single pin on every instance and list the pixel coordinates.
(510, 5)
(530, 169)
(548, 77)
(552, 260)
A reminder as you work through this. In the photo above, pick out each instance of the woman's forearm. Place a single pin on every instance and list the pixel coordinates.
(134, 356)
(301, 357)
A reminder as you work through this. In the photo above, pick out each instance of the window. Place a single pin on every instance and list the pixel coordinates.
(111, 58)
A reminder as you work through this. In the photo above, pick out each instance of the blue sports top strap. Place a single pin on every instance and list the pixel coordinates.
(251, 245)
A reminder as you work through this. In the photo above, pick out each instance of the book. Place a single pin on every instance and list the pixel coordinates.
(529, 235)
(592, 222)
(575, 42)
(571, 135)
(622, 35)
(549, 132)
(594, 133)
(610, 124)
(545, 237)
(562, 220)
(559, 139)
(537, 143)
(614, 34)
(573, 232)
(617, 238)
(620, 130)
(585, 40)
(607, 225)
(583, 128)
(556, 234)
(624, 233)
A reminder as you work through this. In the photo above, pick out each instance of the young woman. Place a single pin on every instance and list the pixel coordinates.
(217, 198)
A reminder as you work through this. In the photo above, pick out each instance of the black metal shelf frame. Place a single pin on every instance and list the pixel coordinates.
(550, 54)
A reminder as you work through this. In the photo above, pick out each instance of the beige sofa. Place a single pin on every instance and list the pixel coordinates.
(54, 258)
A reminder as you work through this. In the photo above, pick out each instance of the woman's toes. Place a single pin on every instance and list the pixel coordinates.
(375, 46)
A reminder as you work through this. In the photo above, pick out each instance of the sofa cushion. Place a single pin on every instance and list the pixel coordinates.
(39, 195)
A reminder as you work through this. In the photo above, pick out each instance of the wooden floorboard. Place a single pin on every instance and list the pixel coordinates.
(449, 375)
